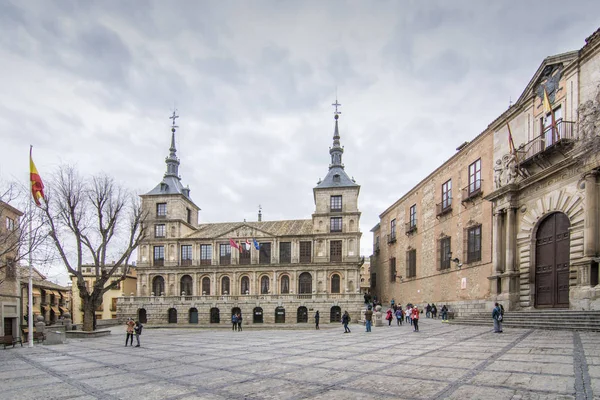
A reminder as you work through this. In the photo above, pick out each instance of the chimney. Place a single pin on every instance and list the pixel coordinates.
(259, 213)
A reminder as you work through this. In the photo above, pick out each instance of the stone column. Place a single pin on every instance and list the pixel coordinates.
(510, 239)
(497, 245)
(215, 284)
(590, 230)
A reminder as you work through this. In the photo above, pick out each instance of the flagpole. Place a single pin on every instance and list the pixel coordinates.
(30, 300)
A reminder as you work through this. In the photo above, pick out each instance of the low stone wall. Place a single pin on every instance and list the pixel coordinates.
(465, 308)
(157, 308)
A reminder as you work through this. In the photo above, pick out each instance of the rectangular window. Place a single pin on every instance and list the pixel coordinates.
(393, 229)
(411, 263)
(336, 203)
(161, 209)
(475, 177)
(265, 253)
(10, 224)
(186, 254)
(376, 249)
(285, 252)
(393, 269)
(113, 304)
(205, 254)
(160, 231)
(336, 224)
(305, 252)
(225, 254)
(474, 244)
(413, 216)
(445, 253)
(335, 250)
(245, 255)
(159, 255)
(447, 195)
(189, 216)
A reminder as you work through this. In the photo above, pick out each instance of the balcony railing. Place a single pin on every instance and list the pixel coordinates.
(159, 262)
(391, 238)
(211, 299)
(443, 207)
(552, 137)
(411, 226)
(376, 248)
(206, 262)
(186, 262)
(472, 190)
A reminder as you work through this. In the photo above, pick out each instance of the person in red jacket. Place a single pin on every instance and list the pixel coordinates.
(415, 318)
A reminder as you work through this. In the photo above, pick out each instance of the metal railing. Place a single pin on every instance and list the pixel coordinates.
(391, 238)
(443, 207)
(411, 226)
(564, 131)
(472, 190)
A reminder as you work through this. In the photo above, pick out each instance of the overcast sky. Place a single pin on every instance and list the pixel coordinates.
(93, 84)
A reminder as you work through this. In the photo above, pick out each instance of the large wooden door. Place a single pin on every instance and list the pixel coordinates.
(552, 262)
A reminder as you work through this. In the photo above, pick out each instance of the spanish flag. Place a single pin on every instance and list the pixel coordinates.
(546, 103)
(37, 186)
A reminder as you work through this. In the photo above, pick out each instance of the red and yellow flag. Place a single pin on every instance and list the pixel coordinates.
(37, 186)
(546, 103)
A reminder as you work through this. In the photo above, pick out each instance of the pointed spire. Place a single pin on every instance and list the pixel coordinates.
(336, 151)
(172, 161)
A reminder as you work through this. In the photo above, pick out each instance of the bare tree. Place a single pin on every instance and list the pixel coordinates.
(91, 221)
(22, 233)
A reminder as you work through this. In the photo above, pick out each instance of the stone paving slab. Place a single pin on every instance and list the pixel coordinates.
(442, 361)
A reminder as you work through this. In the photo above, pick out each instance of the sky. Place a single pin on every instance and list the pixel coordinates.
(92, 84)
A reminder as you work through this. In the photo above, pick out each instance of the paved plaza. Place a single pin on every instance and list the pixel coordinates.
(443, 361)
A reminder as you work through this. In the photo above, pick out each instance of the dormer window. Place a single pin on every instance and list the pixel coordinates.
(163, 187)
(336, 178)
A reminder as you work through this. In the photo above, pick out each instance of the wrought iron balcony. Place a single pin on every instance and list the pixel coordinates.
(376, 248)
(552, 138)
(411, 227)
(443, 207)
(472, 190)
(391, 238)
(186, 262)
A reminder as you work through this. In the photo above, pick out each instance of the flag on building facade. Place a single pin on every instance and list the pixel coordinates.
(234, 244)
(256, 246)
(548, 110)
(546, 103)
(37, 186)
(511, 143)
(248, 245)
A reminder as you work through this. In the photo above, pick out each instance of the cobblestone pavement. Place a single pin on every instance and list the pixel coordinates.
(440, 362)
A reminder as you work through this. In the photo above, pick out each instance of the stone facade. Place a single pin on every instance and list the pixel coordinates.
(447, 206)
(539, 212)
(10, 307)
(108, 310)
(270, 271)
(50, 300)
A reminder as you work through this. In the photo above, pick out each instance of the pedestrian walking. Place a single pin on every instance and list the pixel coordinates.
(444, 313)
(239, 321)
(409, 314)
(346, 321)
(399, 315)
(234, 322)
(433, 310)
(317, 318)
(138, 331)
(428, 311)
(389, 316)
(415, 318)
(497, 316)
(368, 318)
(129, 329)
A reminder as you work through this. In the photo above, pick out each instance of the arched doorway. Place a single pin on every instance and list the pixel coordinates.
(305, 283)
(158, 285)
(257, 315)
(172, 316)
(214, 316)
(552, 247)
(185, 285)
(142, 316)
(336, 314)
(193, 316)
(279, 315)
(302, 314)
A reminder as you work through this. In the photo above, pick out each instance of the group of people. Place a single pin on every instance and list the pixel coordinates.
(133, 328)
(236, 322)
(411, 315)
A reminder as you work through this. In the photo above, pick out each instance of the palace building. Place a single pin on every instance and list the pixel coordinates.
(270, 271)
(513, 215)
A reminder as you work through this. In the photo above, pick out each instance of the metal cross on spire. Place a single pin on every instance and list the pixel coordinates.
(336, 105)
(174, 117)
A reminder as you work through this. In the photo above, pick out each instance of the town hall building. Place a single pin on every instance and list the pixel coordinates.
(269, 271)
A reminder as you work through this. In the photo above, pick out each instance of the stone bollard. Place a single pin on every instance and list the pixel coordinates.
(40, 326)
(67, 321)
(378, 316)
